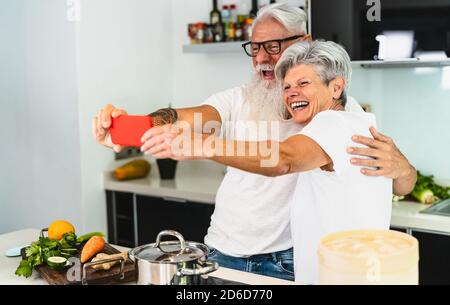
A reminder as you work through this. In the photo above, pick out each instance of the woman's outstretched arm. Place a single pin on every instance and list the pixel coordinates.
(270, 158)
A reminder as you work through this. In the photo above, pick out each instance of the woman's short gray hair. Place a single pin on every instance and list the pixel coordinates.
(291, 17)
(328, 58)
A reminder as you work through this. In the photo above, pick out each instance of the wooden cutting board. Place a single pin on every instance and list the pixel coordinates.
(94, 277)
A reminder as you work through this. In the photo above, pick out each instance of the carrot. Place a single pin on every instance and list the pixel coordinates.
(93, 246)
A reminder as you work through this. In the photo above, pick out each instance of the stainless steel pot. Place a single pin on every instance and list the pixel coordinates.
(177, 262)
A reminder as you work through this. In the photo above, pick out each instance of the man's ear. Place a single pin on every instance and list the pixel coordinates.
(337, 85)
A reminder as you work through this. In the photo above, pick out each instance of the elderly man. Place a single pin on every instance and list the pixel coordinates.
(250, 227)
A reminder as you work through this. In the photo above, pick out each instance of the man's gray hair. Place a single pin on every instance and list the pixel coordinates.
(291, 17)
(328, 58)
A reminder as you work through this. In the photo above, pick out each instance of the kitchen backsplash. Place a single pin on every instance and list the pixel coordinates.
(412, 106)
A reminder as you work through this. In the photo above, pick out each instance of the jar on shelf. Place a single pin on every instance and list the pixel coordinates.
(200, 32)
(209, 33)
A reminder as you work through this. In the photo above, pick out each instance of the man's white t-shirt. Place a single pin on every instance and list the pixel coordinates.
(326, 202)
(252, 211)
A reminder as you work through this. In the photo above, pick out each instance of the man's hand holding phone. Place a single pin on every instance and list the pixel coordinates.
(101, 126)
(115, 129)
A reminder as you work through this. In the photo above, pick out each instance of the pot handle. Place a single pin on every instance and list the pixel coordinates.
(208, 267)
(170, 233)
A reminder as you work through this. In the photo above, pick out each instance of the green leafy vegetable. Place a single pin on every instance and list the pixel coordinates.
(424, 195)
(24, 269)
(427, 191)
(39, 251)
(88, 236)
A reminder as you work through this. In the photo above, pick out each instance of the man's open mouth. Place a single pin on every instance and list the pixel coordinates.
(299, 105)
(268, 73)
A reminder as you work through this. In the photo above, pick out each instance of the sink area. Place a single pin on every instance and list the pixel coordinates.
(439, 208)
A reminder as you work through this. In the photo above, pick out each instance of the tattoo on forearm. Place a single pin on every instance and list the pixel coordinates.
(164, 116)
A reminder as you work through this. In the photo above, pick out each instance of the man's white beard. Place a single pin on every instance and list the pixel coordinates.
(265, 99)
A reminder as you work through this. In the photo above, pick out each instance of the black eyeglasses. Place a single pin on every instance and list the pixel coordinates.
(272, 47)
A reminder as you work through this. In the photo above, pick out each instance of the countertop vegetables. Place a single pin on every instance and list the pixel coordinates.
(104, 256)
(86, 237)
(58, 228)
(57, 262)
(427, 191)
(93, 246)
(134, 169)
(40, 251)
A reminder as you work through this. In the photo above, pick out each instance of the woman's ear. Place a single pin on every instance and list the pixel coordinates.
(337, 86)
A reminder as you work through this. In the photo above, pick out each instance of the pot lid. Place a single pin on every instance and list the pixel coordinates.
(170, 251)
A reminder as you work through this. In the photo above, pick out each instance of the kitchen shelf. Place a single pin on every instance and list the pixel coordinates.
(218, 47)
(407, 63)
(234, 47)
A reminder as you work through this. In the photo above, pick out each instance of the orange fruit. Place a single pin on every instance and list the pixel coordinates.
(58, 228)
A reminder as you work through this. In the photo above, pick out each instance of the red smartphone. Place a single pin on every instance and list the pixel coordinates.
(127, 130)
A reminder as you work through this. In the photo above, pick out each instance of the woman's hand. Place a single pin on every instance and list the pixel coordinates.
(167, 141)
(158, 141)
(386, 160)
(101, 124)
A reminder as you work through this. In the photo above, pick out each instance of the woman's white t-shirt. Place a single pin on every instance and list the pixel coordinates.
(326, 202)
(251, 214)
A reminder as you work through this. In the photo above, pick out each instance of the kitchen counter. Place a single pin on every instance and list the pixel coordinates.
(406, 214)
(8, 265)
(199, 181)
(186, 185)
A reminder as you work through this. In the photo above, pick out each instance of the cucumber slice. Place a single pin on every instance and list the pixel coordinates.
(57, 262)
(70, 250)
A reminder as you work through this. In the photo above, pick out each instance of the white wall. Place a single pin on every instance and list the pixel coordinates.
(412, 106)
(54, 77)
(40, 175)
(124, 58)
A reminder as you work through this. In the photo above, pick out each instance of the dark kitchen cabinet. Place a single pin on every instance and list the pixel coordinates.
(135, 220)
(399, 229)
(355, 24)
(189, 218)
(121, 220)
(434, 261)
(434, 256)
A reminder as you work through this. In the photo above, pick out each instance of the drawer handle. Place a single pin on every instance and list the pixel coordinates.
(182, 200)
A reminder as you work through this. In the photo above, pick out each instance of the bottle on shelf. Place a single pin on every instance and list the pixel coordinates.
(226, 18)
(200, 32)
(215, 16)
(239, 31)
(218, 32)
(209, 33)
(233, 13)
(247, 30)
(231, 34)
(254, 10)
(226, 13)
(242, 13)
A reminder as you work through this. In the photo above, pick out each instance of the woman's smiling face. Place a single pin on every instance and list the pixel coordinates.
(305, 94)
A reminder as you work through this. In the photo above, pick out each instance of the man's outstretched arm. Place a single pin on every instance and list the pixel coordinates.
(170, 115)
(102, 122)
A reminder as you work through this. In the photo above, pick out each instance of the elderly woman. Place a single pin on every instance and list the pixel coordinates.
(331, 194)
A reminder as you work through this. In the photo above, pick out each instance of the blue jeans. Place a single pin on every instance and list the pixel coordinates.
(277, 264)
